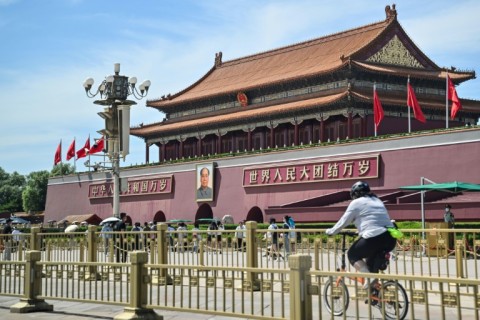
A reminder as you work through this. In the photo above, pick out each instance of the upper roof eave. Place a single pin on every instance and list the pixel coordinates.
(456, 76)
(157, 128)
(467, 104)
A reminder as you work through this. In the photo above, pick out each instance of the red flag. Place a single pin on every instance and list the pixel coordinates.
(58, 154)
(377, 109)
(413, 103)
(98, 146)
(452, 96)
(71, 151)
(82, 153)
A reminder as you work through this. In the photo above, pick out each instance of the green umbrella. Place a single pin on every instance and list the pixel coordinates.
(207, 219)
(446, 186)
(453, 187)
(179, 220)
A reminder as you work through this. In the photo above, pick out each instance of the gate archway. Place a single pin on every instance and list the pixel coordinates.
(204, 212)
(159, 217)
(255, 214)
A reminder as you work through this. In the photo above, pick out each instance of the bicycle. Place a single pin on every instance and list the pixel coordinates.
(389, 297)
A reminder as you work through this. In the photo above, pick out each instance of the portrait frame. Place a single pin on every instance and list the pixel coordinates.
(204, 193)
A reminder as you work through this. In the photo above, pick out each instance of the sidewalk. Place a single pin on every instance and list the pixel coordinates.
(66, 310)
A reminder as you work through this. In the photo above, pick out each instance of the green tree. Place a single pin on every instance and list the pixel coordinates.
(11, 187)
(35, 193)
(62, 169)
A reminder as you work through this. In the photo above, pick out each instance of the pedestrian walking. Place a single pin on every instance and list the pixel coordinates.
(7, 241)
(240, 234)
(196, 237)
(120, 239)
(107, 236)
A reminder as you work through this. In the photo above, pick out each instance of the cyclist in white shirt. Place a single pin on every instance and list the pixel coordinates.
(371, 219)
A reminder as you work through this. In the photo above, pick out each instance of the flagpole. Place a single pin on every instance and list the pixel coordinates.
(446, 101)
(61, 160)
(74, 155)
(408, 107)
(88, 151)
(374, 124)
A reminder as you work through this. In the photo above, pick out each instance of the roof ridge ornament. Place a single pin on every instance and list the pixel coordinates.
(218, 59)
(391, 12)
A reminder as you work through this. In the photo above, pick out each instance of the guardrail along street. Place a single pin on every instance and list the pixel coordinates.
(147, 272)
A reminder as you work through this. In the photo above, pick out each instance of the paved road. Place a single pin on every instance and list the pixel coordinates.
(65, 310)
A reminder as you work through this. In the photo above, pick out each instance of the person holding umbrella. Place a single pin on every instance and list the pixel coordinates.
(70, 229)
(106, 235)
(7, 229)
(121, 243)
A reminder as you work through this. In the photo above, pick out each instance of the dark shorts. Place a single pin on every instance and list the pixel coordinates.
(369, 248)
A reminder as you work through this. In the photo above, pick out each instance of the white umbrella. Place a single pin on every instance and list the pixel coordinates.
(109, 220)
(71, 228)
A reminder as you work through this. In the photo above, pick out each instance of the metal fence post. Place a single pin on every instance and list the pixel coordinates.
(252, 257)
(300, 284)
(162, 253)
(201, 252)
(92, 273)
(35, 239)
(139, 281)
(33, 287)
(317, 247)
(459, 258)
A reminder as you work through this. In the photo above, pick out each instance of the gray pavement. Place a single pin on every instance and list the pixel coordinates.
(66, 310)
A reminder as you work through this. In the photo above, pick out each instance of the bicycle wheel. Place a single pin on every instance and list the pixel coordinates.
(336, 297)
(394, 299)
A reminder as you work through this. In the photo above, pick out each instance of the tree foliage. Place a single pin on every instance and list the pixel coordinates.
(35, 193)
(62, 169)
(11, 187)
(27, 193)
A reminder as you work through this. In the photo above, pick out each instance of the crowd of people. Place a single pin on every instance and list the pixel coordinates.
(180, 240)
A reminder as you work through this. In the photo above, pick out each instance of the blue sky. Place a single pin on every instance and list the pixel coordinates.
(49, 47)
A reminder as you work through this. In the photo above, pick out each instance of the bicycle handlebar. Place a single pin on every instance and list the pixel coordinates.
(349, 233)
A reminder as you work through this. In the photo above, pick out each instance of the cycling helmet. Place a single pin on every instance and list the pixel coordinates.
(359, 189)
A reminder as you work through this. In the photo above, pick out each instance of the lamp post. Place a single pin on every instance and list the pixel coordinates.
(114, 91)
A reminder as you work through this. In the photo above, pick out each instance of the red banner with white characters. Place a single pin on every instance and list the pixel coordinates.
(323, 170)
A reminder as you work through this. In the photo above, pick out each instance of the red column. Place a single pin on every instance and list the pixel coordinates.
(311, 133)
(272, 137)
(322, 129)
(199, 151)
(350, 125)
(249, 139)
(296, 134)
(163, 150)
(363, 125)
(147, 152)
(180, 151)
